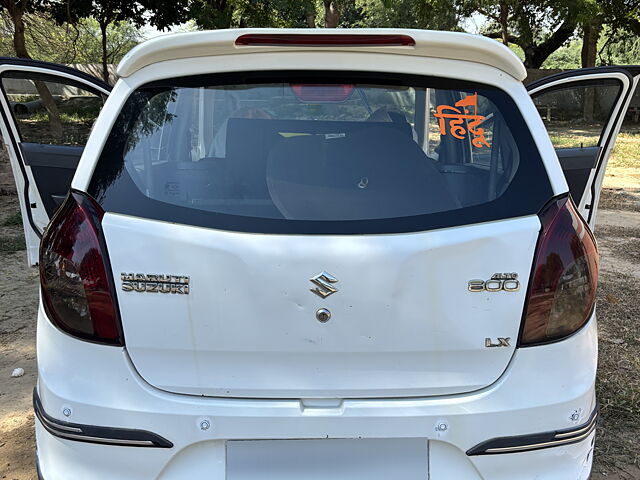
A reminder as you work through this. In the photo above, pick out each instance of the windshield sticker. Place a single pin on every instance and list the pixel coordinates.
(457, 117)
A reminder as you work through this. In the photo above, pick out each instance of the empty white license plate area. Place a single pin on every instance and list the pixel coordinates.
(337, 459)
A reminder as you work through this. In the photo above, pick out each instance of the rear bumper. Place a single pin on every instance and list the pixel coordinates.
(548, 388)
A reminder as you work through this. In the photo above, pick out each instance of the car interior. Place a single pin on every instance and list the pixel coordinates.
(309, 169)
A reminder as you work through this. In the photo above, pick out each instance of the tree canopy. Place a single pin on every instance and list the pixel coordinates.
(545, 33)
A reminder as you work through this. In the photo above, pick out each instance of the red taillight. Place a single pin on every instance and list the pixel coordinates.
(75, 275)
(329, 40)
(322, 93)
(562, 291)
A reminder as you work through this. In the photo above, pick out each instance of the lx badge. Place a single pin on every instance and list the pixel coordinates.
(502, 342)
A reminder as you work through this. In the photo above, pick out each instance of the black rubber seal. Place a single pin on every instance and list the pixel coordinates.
(631, 70)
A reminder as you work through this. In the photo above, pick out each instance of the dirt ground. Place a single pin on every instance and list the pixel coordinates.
(617, 454)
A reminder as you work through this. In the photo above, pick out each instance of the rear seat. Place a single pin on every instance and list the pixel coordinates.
(250, 140)
(374, 172)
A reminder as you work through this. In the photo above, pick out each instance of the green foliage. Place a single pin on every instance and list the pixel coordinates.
(614, 48)
(211, 14)
(539, 27)
(122, 36)
(621, 47)
(103, 11)
(429, 14)
(517, 49)
(620, 14)
(566, 57)
(540, 32)
(66, 43)
(109, 13)
(435, 14)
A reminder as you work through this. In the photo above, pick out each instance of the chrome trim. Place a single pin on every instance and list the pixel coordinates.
(96, 434)
(87, 438)
(536, 441)
(323, 315)
(69, 429)
(502, 342)
(536, 446)
(323, 280)
(577, 432)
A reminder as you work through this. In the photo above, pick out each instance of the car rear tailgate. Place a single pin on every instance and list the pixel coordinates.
(403, 323)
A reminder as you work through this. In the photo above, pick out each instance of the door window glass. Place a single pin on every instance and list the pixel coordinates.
(575, 116)
(50, 112)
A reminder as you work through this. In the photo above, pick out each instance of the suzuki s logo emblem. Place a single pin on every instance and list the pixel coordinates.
(323, 281)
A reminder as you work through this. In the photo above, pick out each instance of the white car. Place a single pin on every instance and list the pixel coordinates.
(311, 254)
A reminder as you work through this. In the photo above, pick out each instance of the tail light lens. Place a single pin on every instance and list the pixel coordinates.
(77, 287)
(562, 291)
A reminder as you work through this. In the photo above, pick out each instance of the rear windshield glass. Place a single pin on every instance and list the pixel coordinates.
(303, 153)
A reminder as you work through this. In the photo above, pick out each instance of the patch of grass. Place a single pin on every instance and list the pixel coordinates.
(631, 251)
(22, 98)
(12, 220)
(13, 243)
(65, 117)
(618, 231)
(627, 151)
(618, 199)
(625, 154)
(569, 140)
(618, 383)
(627, 245)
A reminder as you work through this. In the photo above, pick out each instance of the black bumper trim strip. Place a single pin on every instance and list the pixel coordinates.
(38, 471)
(94, 434)
(536, 441)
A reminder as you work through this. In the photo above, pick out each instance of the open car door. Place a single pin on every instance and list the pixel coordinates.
(47, 113)
(583, 111)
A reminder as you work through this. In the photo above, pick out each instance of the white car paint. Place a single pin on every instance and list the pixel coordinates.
(428, 43)
(401, 324)
(540, 391)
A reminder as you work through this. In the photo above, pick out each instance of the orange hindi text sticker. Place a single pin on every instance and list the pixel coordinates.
(457, 117)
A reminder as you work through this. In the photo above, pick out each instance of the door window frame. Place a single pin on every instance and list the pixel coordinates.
(628, 77)
(56, 73)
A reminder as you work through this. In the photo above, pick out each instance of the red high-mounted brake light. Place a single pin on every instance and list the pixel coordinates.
(322, 93)
(562, 290)
(329, 40)
(77, 287)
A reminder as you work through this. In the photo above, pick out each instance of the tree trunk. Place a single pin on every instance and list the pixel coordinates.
(310, 15)
(20, 46)
(536, 54)
(105, 66)
(331, 14)
(590, 36)
(504, 18)
(19, 43)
